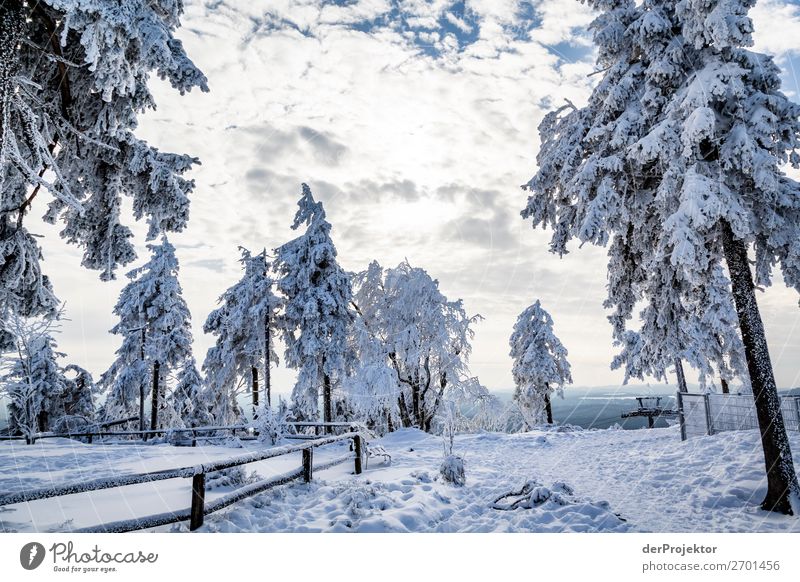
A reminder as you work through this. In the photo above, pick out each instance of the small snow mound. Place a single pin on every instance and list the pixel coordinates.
(534, 495)
(406, 437)
(566, 428)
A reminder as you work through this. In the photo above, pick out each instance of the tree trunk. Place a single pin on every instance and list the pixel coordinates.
(389, 423)
(548, 409)
(154, 407)
(42, 420)
(142, 389)
(254, 372)
(267, 363)
(326, 401)
(681, 376)
(404, 418)
(415, 400)
(725, 389)
(783, 491)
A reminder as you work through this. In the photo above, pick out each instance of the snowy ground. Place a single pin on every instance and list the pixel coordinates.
(598, 480)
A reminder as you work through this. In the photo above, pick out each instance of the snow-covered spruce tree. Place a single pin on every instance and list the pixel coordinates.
(540, 365)
(677, 160)
(424, 336)
(155, 326)
(73, 79)
(33, 381)
(245, 326)
(187, 394)
(317, 310)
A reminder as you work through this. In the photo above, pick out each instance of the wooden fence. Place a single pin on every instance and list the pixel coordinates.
(199, 508)
(195, 432)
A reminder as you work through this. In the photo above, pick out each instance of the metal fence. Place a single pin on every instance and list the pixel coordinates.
(703, 414)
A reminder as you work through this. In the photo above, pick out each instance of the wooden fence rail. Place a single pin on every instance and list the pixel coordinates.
(199, 508)
(194, 431)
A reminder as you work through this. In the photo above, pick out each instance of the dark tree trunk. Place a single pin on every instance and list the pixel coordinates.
(267, 363)
(404, 417)
(415, 400)
(389, 423)
(725, 389)
(254, 372)
(154, 407)
(326, 401)
(782, 485)
(142, 389)
(41, 420)
(681, 376)
(548, 409)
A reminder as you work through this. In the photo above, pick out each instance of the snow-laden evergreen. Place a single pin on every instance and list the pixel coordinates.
(677, 161)
(73, 80)
(245, 325)
(317, 312)
(540, 366)
(155, 325)
(33, 381)
(411, 334)
(189, 398)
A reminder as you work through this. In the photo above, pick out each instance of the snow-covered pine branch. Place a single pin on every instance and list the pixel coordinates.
(73, 81)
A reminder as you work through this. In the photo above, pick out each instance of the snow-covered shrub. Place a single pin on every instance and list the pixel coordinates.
(234, 477)
(271, 424)
(452, 470)
(452, 467)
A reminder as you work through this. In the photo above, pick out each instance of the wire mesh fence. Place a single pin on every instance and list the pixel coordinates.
(704, 414)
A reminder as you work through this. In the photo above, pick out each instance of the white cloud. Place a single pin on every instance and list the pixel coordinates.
(777, 27)
(414, 156)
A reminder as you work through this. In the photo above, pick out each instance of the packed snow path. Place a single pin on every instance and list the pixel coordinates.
(648, 477)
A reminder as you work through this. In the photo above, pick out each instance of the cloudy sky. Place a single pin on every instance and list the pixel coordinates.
(415, 122)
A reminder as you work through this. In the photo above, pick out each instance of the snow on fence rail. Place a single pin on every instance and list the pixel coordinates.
(705, 414)
(194, 431)
(199, 509)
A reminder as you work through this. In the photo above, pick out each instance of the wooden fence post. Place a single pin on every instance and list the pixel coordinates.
(709, 422)
(308, 461)
(198, 501)
(357, 446)
(797, 410)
